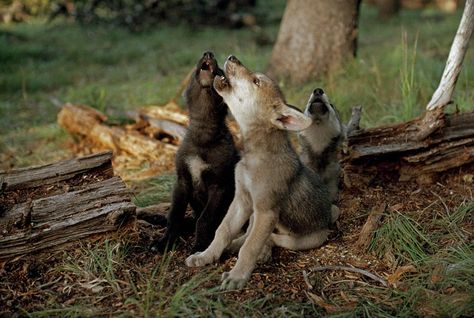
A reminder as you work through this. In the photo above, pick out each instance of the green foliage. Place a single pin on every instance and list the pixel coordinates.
(155, 190)
(401, 236)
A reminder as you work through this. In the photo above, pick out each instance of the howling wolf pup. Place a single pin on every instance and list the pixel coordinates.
(322, 141)
(205, 161)
(287, 203)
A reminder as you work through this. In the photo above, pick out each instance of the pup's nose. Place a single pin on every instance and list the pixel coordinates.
(208, 55)
(318, 91)
(232, 58)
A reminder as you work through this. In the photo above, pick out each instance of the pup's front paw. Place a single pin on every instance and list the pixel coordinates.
(231, 281)
(161, 245)
(199, 259)
(265, 255)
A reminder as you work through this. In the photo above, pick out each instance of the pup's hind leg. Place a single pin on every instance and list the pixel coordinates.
(239, 212)
(263, 225)
(237, 243)
(219, 199)
(181, 193)
(303, 242)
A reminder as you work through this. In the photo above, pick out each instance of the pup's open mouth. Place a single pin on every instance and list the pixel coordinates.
(221, 82)
(207, 66)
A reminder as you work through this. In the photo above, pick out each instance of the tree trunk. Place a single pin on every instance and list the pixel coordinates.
(388, 8)
(315, 37)
(44, 207)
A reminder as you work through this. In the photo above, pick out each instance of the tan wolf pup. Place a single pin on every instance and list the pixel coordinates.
(287, 202)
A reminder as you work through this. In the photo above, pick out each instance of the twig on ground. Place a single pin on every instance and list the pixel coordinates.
(442, 202)
(351, 269)
(306, 280)
(370, 226)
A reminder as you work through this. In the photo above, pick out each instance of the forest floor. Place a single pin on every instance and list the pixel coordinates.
(423, 251)
(423, 248)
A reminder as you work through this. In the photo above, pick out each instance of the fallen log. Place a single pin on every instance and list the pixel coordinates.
(389, 148)
(160, 124)
(46, 206)
(422, 147)
(89, 123)
(134, 149)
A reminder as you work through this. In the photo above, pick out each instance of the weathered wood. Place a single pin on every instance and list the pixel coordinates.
(88, 123)
(55, 172)
(78, 198)
(159, 112)
(443, 94)
(434, 118)
(391, 147)
(354, 121)
(372, 223)
(165, 125)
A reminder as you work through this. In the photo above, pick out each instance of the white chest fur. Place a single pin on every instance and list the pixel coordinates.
(196, 166)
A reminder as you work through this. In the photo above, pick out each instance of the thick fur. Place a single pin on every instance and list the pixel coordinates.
(287, 202)
(205, 161)
(322, 141)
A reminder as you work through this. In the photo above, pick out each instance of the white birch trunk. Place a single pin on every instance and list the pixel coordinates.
(443, 94)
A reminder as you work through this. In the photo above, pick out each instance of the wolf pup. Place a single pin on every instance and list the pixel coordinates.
(287, 202)
(322, 141)
(205, 161)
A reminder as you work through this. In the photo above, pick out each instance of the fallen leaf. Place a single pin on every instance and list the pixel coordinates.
(438, 273)
(395, 277)
(468, 178)
(318, 300)
(396, 207)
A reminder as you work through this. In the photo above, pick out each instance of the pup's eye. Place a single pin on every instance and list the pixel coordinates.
(256, 81)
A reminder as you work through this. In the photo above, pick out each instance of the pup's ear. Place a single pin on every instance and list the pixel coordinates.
(291, 118)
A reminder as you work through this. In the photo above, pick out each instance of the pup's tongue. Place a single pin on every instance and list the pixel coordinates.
(207, 66)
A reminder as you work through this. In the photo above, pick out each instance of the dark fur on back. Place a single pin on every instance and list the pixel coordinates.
(205, 161)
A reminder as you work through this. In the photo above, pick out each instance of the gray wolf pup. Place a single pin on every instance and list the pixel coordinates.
(321, 142)
(287, 203)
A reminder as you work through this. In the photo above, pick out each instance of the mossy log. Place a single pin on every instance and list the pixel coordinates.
(46, 206)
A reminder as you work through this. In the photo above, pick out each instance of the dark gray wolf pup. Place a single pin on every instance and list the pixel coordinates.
(205, 162)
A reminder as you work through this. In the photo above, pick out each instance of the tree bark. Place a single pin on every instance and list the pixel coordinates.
(315, 37)
(388, 8)
(44, 207)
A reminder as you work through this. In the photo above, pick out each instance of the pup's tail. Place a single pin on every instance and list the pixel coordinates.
(335, 212)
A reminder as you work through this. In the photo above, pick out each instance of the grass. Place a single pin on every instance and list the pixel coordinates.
(105, 277)
(403, 238)
(398, 67)
(443, 280)
(155, 190)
